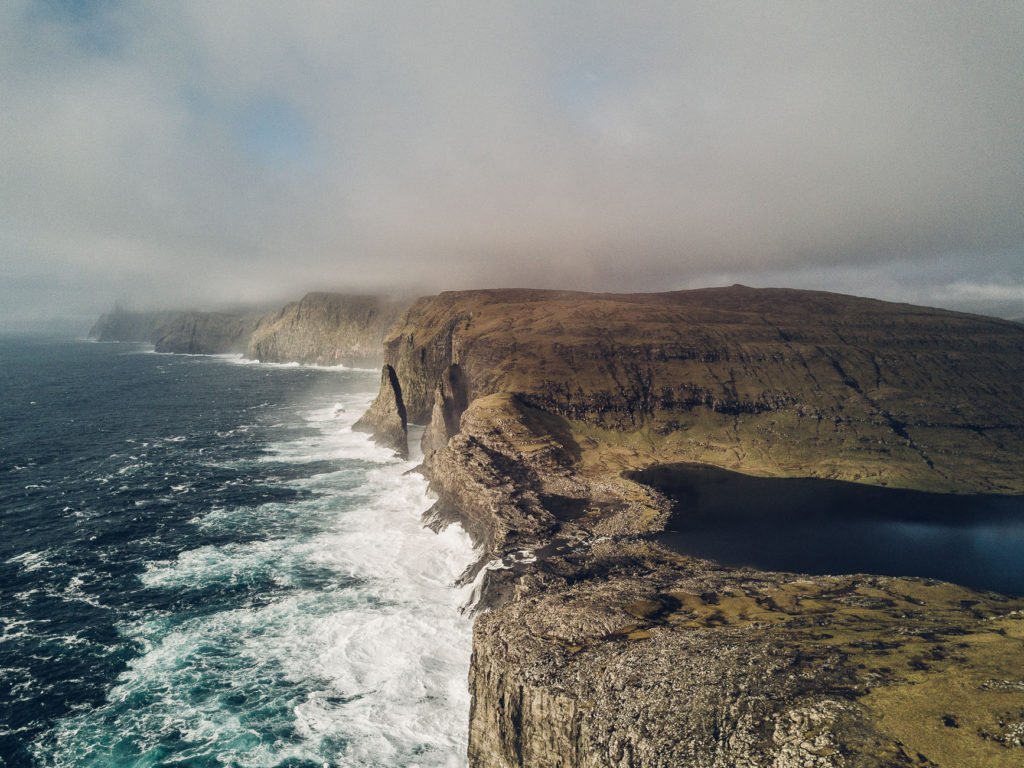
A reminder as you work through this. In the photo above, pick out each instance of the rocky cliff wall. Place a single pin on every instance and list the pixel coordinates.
(326, 329)
(601, 648)
(769, 381)
(322, 329)
(386, 418)
(206, 333)
(182, 332)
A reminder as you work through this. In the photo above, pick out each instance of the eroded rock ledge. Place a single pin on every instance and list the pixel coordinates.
(601, 648)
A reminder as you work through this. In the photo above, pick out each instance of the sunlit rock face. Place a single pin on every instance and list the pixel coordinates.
(603, 647)
(326, 329)
(779, 382)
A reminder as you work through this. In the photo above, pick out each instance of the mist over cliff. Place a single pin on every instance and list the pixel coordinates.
(183, 154)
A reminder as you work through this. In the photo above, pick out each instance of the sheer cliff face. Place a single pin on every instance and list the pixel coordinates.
(196, 333)
(768, 381)
(608, 650)
(326, 329)
(206, 333)
(322, 328)
(386, 418)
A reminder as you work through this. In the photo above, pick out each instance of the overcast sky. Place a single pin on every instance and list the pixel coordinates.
(191, 153)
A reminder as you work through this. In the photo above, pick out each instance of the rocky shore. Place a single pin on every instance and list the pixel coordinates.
(599, 647)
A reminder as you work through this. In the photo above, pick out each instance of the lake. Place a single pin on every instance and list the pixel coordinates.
(832, 527)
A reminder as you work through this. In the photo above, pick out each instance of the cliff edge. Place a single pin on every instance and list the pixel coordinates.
(602, 648)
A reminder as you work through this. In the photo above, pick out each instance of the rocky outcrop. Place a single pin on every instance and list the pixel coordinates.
(326, 329)
(602, 648)
(386, 418)
(196, 333)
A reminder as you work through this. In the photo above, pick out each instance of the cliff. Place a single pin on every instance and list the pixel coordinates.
(120, 325)
(602, 648)
(386, 417)
(326, 329)
(773, 382)
(206, 333)
(322, 329)
(182, 332)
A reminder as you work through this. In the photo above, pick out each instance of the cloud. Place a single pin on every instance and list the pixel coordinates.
(984, 295)
(196, 152)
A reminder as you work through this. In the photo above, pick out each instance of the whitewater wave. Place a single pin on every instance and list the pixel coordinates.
(239, 358)
(348, 649)
(242, 360)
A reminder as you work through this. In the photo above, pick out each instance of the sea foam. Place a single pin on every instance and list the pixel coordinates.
(350, 648)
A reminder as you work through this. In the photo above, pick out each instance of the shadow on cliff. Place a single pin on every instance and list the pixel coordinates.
(542, 422)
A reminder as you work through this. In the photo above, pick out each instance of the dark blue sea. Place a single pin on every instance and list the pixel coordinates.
(202, 565)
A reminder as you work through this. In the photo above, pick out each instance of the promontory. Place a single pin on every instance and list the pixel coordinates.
(594, 644)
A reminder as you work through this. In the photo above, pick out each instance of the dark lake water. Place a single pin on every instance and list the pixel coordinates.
(832, 527)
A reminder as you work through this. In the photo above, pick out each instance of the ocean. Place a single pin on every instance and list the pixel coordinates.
(202, 565)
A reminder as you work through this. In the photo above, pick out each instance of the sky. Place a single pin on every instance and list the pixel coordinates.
(201, 154)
